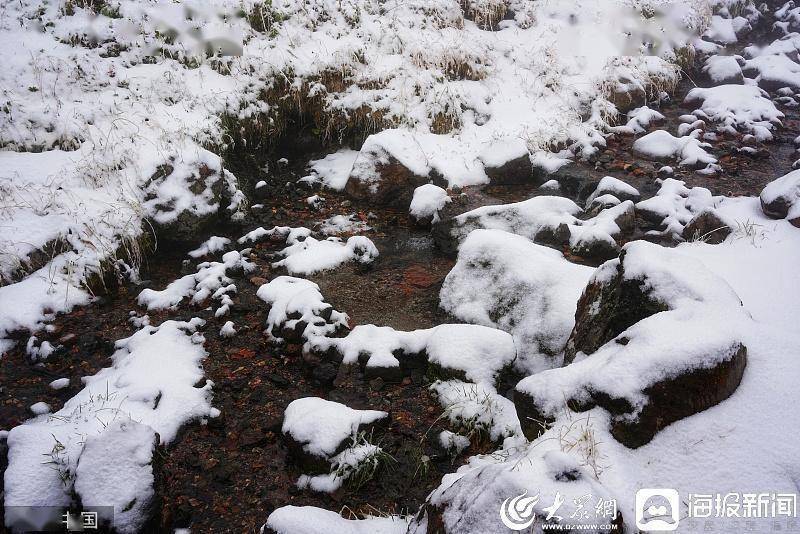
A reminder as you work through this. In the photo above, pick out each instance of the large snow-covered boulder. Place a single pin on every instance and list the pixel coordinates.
(505, 281)
(780, 199)
(316, 429)
(655, 340)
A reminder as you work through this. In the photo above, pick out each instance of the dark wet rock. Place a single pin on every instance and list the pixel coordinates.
(707, 226)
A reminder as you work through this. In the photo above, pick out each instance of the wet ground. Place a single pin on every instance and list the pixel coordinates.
(228, 475)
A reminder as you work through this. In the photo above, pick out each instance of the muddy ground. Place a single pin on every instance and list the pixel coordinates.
(229, 474)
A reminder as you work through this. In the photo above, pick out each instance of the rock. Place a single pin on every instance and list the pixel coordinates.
(258, 281)
(120, 467)
(183, 201)
(608, 306)
(780, 199)
(315, 430)
(516, 171)
(385, 181)
(627, 95)
(707, 226)
(658, 342)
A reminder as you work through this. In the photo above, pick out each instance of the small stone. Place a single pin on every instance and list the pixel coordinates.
(376, 384)
(258, 281)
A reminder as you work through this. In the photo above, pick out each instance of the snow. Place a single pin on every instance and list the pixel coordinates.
(227, 329)
(639, 120)
(754, 269)
(29, 304)
(453, 442)
(311, 255)
(287, 297)
(478, 352)
(477, 408)
(724, 69)
(321, 426)
(343, 224)
(311, 520)
(334, 169)
(210, 281)
(343, 465)
(428, 199)
(615, 187)
(162, 402)
(59, 383)
(674, 206)
(737, 108)
(493, 269)
(210, 246)
(663, 146)
(115, 469)
(40, 408)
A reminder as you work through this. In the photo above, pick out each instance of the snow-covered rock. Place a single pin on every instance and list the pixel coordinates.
(298, 311)
(212, 280)
(724, 70)
(655, 342)
(639, 120)
(210, 246)
(428, 199)
(709, 226)
(317, 429)
(736, 109)
(616, 187)
(116, 469)
(533, 483)
(547, 220)
(773, 71)
(780, 199)
(505, 281)
(674, 206)
(688, 151)
(467, 351)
